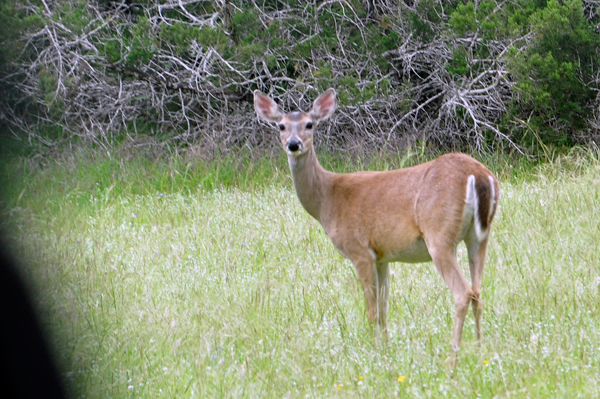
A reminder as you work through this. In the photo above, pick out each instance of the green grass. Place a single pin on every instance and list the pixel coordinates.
(151, 286)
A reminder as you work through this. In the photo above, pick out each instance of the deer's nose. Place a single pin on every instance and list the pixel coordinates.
(293, 145)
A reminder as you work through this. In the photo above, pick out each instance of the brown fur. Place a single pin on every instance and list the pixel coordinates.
(409, 215)
(484, 192)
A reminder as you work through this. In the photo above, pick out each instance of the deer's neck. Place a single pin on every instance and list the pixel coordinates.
(310, 181)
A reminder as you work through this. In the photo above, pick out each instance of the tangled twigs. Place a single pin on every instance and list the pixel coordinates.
(184, 70)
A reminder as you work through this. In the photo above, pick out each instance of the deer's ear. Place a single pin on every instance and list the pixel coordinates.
(324, 105)
(266, 108)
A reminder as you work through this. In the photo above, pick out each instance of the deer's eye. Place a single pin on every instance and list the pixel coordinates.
(282, 127)
(309, 125)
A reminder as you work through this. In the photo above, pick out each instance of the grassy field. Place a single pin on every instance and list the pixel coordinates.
(207, 280)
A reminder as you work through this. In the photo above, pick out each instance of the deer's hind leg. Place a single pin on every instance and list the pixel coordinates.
(444, 257)
(477, 251)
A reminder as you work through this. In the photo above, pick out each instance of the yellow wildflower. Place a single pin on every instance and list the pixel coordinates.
(401, 378)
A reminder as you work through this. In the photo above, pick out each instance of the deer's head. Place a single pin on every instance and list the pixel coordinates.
(296, 128)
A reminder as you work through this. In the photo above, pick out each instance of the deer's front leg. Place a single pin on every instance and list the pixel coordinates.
(383, 290)
(375, 281)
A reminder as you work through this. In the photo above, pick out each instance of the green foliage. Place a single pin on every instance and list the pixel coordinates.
(485, 20)
(426, 19)
(14, 22)
(459, 64)
(180, 36)
(112, 50)
(555, 75)
(555, 86)
(73, 15)
(246, 27)
(142, 43)
(212, 37)
(47, 86)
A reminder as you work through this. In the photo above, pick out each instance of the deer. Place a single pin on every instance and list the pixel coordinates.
(412, 215)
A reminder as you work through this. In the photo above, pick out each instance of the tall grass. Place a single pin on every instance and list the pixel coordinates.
(174, 280)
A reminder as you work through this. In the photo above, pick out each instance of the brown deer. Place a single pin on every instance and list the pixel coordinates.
(415, 214)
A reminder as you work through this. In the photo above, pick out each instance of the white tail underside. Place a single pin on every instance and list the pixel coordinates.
(472, 201)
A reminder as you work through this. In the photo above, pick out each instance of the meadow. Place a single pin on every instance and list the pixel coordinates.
(177, 279)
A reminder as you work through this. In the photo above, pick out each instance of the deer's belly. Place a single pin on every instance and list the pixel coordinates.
(385, 249)
(416, 252)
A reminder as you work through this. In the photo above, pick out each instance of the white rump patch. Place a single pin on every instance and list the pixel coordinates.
(471, 193)
(493, 200)
(473, 201)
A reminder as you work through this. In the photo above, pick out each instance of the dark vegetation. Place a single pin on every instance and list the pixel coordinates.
(477, 75)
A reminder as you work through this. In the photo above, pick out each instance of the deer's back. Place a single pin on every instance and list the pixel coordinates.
(390, 211)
